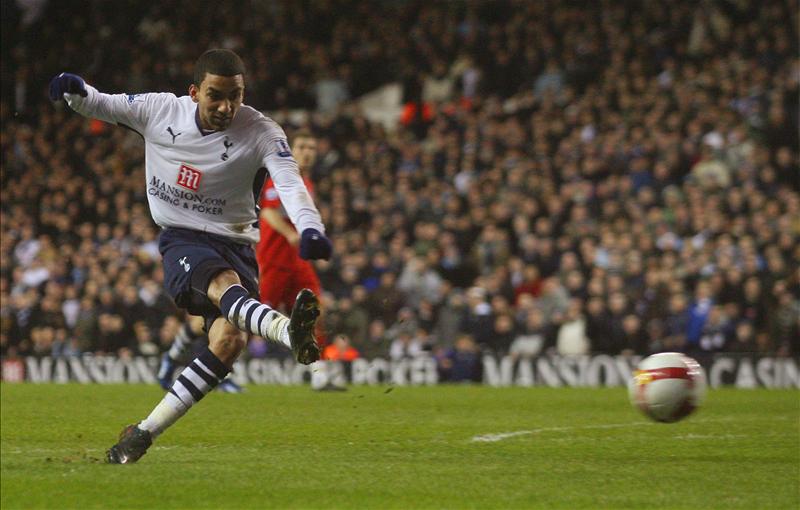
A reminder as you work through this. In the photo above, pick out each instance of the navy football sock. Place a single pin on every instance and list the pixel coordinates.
(253, 317)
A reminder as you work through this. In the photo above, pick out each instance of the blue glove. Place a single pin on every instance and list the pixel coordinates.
(314, 245)
(67, 83)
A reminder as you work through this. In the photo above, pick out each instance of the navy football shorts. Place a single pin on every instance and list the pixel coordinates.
(192, 259)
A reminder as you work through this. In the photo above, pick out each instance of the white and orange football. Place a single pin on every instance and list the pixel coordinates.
(668, 386)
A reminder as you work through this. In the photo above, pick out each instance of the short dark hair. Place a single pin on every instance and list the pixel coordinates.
(303, 133)
(219, 62)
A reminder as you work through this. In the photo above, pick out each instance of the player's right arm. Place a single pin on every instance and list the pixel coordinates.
(276, 220)
(129, 110)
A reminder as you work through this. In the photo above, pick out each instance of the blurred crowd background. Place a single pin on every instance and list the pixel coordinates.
(564, 177)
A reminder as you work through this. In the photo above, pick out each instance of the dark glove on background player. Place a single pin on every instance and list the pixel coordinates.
(314, 245)
(67, 83)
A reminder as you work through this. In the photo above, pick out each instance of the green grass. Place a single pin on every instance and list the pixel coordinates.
(277, 447)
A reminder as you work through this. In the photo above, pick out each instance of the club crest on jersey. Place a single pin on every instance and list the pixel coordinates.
(228, 144)
(134, 97)
(284, 150)
(189, 177)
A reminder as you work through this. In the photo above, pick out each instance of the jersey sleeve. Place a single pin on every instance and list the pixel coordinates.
(291, 191)
(129, 110)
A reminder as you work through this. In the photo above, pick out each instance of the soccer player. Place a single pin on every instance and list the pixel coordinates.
(282, 272)
(204, 155)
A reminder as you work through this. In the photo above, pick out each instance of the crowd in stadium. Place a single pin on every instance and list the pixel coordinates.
(597, 180)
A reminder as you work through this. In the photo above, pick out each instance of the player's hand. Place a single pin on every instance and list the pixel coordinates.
(314, 245)
(66, 83)
(293, 238)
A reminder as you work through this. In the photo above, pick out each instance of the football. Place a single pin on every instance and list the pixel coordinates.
(668, 386)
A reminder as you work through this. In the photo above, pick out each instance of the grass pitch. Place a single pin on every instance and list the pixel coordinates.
(436, 447)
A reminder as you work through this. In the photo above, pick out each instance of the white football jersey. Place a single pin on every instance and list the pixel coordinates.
(204, 180)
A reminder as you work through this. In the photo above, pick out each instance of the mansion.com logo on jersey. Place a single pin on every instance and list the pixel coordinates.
(189, 177)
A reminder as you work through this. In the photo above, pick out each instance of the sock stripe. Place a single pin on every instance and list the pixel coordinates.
(210, 361)
(182, 393)
(200, 380)
(254, 320)
(197, 395)
(248, 306)
(193, 383)
(234, 310)
(261, 320)
(204, 373)
(249, 315)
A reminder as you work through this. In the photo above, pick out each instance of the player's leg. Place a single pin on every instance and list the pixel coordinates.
(203, 374)
(227, 292)
(189, 260)
(222, 348)
(191, 330)
(199, 275)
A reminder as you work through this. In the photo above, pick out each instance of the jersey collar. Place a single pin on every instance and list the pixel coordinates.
(203, 132)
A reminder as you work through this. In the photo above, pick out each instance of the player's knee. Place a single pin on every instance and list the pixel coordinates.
(220, 283)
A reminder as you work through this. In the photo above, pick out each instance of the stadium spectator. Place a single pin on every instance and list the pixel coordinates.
(533, 336)
(340, 350)
(405, 346)
(588, 144)
(571, 339)
(462, 362)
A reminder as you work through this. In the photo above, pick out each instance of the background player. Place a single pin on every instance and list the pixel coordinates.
(203, 153)
(282, 272)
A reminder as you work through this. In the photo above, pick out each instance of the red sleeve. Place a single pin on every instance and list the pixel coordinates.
(269, 196)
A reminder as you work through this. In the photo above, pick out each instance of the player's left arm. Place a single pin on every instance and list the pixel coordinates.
(276, 220)
(129, 110)
(296, 200)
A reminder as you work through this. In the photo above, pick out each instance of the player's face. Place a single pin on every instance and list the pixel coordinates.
(218, 99)
(305, 152)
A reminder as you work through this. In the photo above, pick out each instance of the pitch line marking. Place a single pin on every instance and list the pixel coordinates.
(493, 438)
